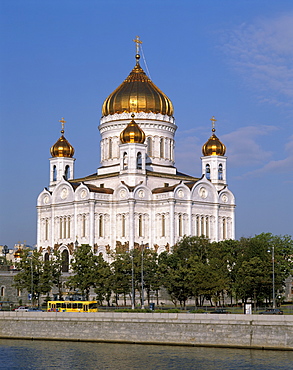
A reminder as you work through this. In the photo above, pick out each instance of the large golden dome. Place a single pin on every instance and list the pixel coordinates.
(132, 133)
(62, 148)
(137, 93)
(213, 146)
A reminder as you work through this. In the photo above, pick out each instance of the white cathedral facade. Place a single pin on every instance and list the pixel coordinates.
(137, 196)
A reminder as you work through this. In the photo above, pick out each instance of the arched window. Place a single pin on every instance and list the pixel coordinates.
(64, 227)
(46, 229)
(68, 227)
(140, 225)
(202, 226)
(197, 226)
(207, 227)
(171, 150)
(208, 172)
(54, 173)
(163, 225)
(2, 291)
(101, 226)
(67, 172)
(125, 161)
(161, 148)
(180, 225)
(139, 161)
(46, 257)
(83, 226)
(110, 148)
(60, 227)
(123, 226)
(150, 146)
(65, 260)
(220, 172)
(224, 228)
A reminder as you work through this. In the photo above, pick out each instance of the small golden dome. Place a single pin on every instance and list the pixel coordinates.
(137, 93)
(213, 146)
(132, 133)
(62, 148)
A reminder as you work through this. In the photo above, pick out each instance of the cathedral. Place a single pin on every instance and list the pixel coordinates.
(137, 196)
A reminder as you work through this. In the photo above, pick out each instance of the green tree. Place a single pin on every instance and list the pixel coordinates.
(103, 278)
(34, 275)
(83, 267)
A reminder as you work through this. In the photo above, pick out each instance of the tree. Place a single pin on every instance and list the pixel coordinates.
(102, 280)
(34, 275)
(83, 268)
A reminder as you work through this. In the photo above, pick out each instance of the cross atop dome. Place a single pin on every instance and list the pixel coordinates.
(213, 123)
(138, 42)
(62, 124)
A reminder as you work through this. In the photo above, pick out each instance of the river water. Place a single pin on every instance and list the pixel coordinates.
(41, 355)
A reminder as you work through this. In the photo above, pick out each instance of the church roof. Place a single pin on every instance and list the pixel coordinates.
(137, 93)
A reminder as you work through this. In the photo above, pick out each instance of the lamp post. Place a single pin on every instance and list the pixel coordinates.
(273, 263)
(142, 285)
(132, 282)
(5, 250)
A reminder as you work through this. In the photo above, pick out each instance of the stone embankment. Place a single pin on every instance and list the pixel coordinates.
(241, 331)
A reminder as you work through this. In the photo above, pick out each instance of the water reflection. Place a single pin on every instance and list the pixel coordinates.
(40, 355)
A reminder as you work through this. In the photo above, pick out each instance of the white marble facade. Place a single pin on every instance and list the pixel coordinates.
(136, 196)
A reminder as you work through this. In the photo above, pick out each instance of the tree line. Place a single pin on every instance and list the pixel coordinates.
(195, 268)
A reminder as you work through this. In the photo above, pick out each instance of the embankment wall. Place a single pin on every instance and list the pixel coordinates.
(247, 331)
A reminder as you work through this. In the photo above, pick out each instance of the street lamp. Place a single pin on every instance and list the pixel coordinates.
(5, 250)
(132, 282)
(273, 262)
(142, 287)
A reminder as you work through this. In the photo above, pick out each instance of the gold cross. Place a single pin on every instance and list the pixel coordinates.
(213, 122)
(137, 41)
(62, 122)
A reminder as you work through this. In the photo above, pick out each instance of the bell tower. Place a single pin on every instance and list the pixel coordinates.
(62, 161)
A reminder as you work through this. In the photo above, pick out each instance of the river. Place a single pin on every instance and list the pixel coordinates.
(41, 355)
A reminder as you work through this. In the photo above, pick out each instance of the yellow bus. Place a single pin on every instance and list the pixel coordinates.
(72, 306)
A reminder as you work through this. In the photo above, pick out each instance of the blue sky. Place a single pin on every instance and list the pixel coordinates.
(231, 59)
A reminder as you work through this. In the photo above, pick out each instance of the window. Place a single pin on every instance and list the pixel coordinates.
(180, 225)
(46, 229)
(60, 228)
(54, 173)
(46, 257)
(161, 148)
(207, 227)
(101, 226)
(224, 228)
(150, 146)
(125, 161)
(67, 172)
(83, 226)
(65, 260)
(197, 226)
(2, 291)
(139, 161)
(208, 172)
(163, 225)
(123, 226)
(110, 148)
(140, 225)
(220, 172)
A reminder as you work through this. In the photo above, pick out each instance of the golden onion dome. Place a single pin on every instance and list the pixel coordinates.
(62, 148)
(132, 133)
(213, 146)
(137, 93)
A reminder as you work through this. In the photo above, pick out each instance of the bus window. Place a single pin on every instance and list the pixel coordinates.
(79, 305)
